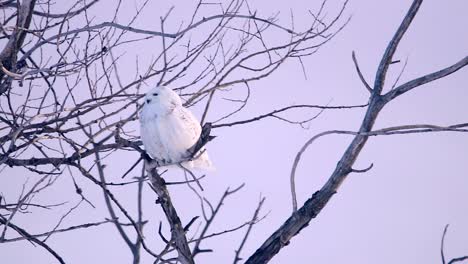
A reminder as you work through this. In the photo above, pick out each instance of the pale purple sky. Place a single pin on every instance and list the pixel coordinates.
(395, 213)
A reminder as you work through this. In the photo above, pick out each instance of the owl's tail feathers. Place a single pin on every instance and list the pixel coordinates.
(202, 162)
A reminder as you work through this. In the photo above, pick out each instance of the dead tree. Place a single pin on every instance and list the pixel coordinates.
(378, 98)
(69, 109)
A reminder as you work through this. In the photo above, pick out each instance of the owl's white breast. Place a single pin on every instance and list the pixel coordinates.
(168, 137)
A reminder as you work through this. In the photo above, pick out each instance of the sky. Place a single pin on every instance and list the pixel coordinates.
(395, 213)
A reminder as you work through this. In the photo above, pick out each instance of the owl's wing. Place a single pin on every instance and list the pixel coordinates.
(191, 126)
(193, 131)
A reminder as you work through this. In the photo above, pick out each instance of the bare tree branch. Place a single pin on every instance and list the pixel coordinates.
(454, 260)
(8, 56)
(75, 112)
(408, 86)
(358, 70)
(442, 244)
(237, 257)
(177, 230)
(61, 230)
(32, 239)
(392, 47)
(69, 13)
(312, 207)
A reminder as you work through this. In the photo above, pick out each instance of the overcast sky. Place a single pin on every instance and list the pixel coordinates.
(395, 213)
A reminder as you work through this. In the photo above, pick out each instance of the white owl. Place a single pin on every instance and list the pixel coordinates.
(168, 129)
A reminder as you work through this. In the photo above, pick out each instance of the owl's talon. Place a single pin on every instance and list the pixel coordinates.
(151, 164)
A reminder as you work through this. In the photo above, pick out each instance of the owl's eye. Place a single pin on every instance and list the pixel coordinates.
(155, 94)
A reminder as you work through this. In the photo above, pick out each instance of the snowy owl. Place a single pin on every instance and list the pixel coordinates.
(168, 129)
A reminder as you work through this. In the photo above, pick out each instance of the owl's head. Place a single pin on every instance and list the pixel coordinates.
(162, 97)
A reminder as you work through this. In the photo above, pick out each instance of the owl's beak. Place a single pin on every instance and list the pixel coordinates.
(148, 101)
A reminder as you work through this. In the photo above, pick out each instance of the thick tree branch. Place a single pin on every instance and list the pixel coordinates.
(392, 46)
(358, 70)
(177, 229)
(8, 56)
(19, 33)
(313, 206)
(460, 259)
